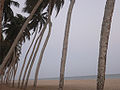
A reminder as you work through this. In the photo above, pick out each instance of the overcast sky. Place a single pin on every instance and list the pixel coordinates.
(84, 37)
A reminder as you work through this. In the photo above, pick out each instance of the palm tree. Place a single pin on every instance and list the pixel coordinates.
(26, 58)
(11, 29)
(33, 59)
(105, 32)
(57, 3)
(37, 21)
(18, 37)
(44, 46)
(6, 14)
(54, 3)
(65, 45)
(1, 13)
(41, 8)
(41, 56)
(7, 10)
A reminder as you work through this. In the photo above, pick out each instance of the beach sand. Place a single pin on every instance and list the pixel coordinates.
(110, 84)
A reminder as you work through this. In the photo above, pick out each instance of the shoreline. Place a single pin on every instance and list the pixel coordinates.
(110, 84)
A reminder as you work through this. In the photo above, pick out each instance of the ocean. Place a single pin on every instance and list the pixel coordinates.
(108, 76)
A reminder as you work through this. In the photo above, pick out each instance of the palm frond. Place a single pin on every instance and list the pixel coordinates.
(58, 5)
(14, 3)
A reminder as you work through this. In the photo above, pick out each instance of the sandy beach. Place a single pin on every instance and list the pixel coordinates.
(110, 84)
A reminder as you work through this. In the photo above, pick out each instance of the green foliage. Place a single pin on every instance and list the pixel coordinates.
(12, 24)
(13, 27)
(54, 3)
(11, 30)
(7, 11)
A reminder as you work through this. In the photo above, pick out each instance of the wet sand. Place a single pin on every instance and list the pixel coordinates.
(110, 84)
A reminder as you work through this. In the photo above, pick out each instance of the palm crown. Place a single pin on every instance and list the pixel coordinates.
(7, 11)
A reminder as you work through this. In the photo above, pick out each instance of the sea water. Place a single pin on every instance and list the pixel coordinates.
(109, 76)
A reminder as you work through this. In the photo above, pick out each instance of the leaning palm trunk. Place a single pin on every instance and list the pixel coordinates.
(39, 37)
(4, 78)
(1, 13)
(41, 56)
(15, 70)
(105, 32)
(44, 46)
(9, 70)
(29, 61)
(11, 74)
(32, 62)
(19, 36)
(8, 73)
(26, 58)
(65, 45)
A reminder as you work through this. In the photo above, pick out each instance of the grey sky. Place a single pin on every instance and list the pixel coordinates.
(83, 49)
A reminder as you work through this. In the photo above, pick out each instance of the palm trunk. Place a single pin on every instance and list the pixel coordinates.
(41, 56)
(26, 59)
(15, 70)
(32, 62)
(26, 68)
(65, 45)
(44, 46)
(11, 75)
(1, 14)
(7, 75)
(19, 36)
(30, 59)
(105, 32)
(11, 68)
